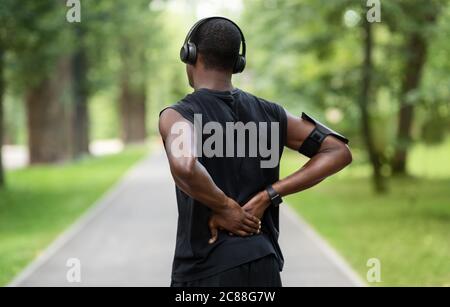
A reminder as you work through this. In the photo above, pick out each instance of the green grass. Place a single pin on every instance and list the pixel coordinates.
(408, 230)
(40, 202)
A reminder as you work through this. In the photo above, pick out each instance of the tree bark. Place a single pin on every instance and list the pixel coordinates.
(132, 101)
(2, 94)
(417, 45)
(47, 117)
(364, 102)
(80, 113)
(415, 62)
(133, 113)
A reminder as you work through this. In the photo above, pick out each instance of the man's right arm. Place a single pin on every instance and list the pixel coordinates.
(189, 175)
(332, 156)
(193, 179)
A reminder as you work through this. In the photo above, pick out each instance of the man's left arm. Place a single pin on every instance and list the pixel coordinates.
(332, 156)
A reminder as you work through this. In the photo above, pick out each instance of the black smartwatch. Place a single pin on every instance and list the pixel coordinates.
(275, 198)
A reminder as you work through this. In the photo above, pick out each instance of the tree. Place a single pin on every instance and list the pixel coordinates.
(19, 37)
(133, 40)
(422, 15)
(80, 112)
(47, 116)
(314, 65)
(6, 26)
(323, 55)
(364, 101)
(2, 93)
(89, 57)
(133, 94)
(39, 44)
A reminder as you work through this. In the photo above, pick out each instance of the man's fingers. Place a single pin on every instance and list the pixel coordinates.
(252, 218)
(249, 229)
(247, 208)
(253, 225)
(214, 233)
(253, 221)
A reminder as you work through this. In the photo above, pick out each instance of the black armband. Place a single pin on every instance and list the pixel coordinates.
(311, 145)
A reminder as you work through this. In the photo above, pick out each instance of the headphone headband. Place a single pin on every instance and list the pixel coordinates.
(204, 20)
(188, 52)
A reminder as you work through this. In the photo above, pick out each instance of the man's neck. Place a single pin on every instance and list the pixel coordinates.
(213, 80)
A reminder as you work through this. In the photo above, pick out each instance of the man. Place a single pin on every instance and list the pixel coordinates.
(228, 200)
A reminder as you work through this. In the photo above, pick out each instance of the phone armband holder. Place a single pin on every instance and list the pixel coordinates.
(312, 143)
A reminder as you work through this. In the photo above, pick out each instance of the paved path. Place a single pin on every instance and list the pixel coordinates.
(16, 156)
(127, 239)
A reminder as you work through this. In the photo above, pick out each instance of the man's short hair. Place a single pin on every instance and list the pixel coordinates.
(218, 41)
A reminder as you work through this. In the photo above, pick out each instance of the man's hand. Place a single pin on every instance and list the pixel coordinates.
(258, 204)
(233, 219)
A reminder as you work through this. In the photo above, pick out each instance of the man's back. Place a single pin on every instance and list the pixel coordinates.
(225, 164)
(239, 169)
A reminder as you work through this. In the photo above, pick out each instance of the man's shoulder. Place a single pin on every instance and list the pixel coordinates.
(262, 102)
(183, 106)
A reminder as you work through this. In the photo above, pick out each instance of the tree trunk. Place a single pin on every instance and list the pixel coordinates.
(364, 102)
(132, 101)
(2, 94)
(415, 62)
(133, 113)
(80, 114)
(47, 118)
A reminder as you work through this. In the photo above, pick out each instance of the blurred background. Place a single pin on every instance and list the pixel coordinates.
(79, 104)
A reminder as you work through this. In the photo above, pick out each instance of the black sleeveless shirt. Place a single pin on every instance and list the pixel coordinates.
(238, 177)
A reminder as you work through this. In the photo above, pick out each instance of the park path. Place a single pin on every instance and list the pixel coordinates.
(16, 156)
(128, 239)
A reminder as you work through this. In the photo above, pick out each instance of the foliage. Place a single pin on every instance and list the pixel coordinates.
(407, 229)
(309, 60)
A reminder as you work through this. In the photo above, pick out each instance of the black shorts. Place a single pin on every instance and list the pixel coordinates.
(263, 272)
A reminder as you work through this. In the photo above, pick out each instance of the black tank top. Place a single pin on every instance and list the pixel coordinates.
(238, 177)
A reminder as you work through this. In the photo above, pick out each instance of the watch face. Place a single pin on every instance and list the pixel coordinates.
(277, 200)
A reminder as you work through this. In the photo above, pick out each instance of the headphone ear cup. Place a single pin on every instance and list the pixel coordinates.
(184, 53)
(188, 53)
(192, 55)
(240, 65)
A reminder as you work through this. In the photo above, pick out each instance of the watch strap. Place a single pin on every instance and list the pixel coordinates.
(275, 198)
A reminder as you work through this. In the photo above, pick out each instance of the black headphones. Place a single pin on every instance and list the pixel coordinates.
(188, 53)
